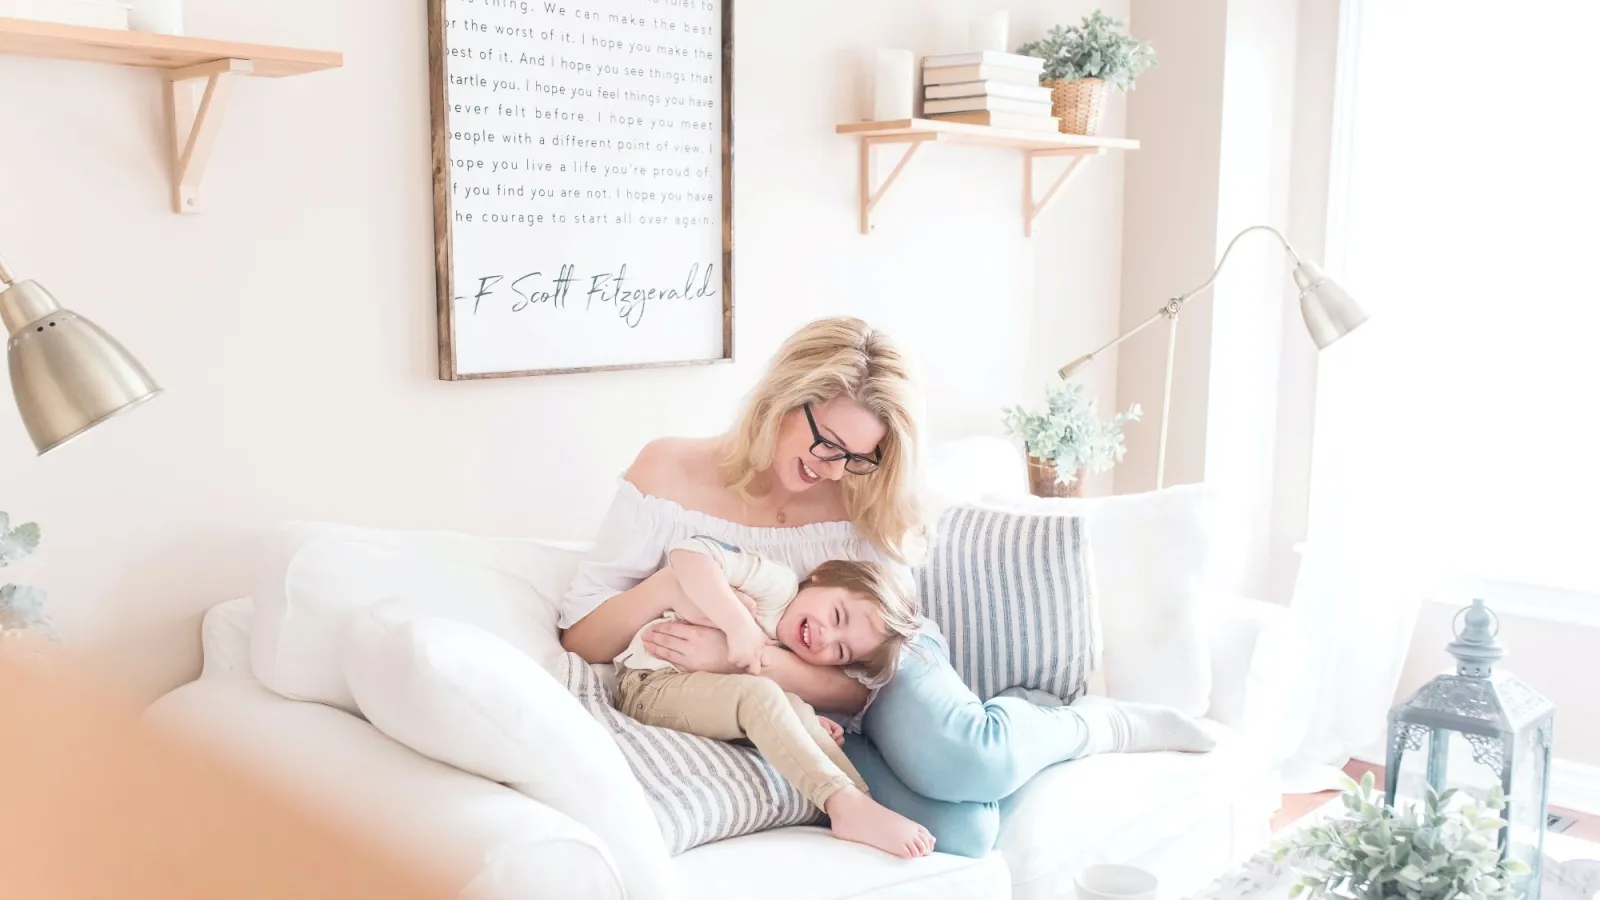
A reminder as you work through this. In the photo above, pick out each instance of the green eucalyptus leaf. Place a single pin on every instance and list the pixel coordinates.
(21, 607)
(17, 543)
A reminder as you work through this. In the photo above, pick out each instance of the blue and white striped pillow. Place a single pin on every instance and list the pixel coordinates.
(1013, 593)
(700, 790)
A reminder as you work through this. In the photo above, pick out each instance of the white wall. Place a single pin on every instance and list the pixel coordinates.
(1217, 115)
(1170, 232)
(293, 323)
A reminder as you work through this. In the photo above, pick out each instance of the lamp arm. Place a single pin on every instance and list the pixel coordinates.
(1084, 360)
(1171, 308)
(1229, 249)
(6, 278)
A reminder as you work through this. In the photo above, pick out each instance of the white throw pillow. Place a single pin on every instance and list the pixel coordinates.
(458, 694)
(1152, 561)
(318, 574)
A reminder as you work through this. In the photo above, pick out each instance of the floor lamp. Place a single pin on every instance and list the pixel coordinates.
(1329, 313)
(66, 373)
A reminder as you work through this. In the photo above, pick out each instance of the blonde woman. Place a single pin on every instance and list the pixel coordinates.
(823, 464)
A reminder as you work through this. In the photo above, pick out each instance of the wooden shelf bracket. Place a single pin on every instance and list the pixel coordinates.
(870, 197)
(1031, 208)
(196, 100)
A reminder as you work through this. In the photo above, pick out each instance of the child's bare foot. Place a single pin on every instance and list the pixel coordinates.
(857, 817)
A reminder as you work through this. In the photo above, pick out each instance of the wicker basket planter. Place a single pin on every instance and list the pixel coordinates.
(1042, 481)
(1080, 104)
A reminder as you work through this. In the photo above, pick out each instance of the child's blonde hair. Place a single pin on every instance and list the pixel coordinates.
(895, 598)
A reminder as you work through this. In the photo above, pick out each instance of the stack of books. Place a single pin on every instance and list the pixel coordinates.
(987, 88)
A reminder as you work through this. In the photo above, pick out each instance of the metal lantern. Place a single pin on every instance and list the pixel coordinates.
(1473, 731)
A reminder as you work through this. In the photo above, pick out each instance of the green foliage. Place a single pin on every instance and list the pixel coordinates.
(21, 607)
(1069, 432)
(1444, 849)
(1098, 48)
(16, 543)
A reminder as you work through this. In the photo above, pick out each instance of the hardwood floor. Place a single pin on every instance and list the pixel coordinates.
(1586, 827)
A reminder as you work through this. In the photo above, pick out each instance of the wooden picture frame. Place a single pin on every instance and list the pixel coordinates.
(445, 207)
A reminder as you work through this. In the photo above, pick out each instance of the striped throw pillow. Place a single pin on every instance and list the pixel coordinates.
(1013, 593)
(700, 790)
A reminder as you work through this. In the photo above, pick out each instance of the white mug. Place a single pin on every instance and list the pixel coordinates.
(1110, 882)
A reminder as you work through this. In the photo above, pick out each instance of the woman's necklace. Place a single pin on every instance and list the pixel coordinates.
(780, 513)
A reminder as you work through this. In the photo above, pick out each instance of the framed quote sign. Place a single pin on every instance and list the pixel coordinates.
(582, 169)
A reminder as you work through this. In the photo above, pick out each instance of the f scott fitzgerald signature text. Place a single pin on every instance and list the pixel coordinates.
(614, 290)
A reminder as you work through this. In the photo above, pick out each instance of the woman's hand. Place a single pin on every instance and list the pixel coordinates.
(692, 648)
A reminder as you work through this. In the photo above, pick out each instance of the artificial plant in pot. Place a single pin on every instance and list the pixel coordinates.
(1067, 439)
(1083, 63)
(21, 606)
(1446, 848)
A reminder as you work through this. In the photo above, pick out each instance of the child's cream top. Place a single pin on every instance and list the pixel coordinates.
(770, 584)
(639, 529)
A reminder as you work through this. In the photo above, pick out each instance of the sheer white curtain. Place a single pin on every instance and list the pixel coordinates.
(1456, 435)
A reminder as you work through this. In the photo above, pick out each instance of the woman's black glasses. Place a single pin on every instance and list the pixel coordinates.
(828, 451)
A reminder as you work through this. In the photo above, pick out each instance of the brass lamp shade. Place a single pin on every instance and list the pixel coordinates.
(67, 374)
(1330, 313)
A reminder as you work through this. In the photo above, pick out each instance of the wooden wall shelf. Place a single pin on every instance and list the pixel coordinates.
(199, 77)
(1035, 145)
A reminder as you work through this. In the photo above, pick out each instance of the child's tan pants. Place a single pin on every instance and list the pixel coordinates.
(783, 727)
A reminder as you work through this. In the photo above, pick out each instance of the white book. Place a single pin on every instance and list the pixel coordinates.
(1006, 89)
(985, 58)
(1002, 120)
(993, 104)
(962, 74)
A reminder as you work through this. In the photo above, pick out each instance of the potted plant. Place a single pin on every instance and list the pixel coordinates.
(1444, 849)
(1067, 438)
(21, 606)
(1083, 62)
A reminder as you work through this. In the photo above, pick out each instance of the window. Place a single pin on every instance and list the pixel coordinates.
(1466, 218)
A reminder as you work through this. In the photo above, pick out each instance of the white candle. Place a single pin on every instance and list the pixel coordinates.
(158, 16)
(988, 31)
(895, 87)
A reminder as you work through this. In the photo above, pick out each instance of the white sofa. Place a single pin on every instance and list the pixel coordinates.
(1186, 817)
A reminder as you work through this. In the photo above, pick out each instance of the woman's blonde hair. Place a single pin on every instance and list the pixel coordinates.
(894, 597)
(827, 359)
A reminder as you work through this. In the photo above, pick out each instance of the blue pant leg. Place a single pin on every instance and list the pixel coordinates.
(961, 829)
(945, 744)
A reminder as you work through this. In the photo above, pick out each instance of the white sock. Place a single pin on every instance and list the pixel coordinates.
(1116, 727)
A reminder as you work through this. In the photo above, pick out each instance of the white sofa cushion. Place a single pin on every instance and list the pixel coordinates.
(225, 639)
(700, 790)
(1117, 807)
(458, 694)
(317, 574)
(812, 864)
(1152, 563)
(1012, 592)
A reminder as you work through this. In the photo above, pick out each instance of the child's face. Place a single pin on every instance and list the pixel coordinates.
(831, 626)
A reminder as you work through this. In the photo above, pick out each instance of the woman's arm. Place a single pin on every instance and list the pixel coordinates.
(698, 648)
(602, 634)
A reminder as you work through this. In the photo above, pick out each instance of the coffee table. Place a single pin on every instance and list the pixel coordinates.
(1571, 872)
